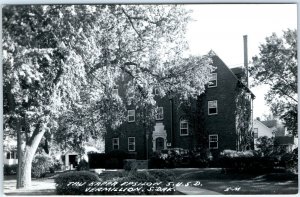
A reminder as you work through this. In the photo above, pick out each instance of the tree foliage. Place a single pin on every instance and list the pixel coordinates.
(276, 66)
(61, 62)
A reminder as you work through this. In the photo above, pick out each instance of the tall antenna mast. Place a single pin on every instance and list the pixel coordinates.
(246, 58)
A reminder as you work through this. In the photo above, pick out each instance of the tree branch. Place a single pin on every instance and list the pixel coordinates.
(131, 23)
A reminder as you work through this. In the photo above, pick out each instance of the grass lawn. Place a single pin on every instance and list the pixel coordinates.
(235, 183)
(211, 179)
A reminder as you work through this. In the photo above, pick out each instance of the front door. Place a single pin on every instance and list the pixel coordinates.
(73, 160)
(159, 143)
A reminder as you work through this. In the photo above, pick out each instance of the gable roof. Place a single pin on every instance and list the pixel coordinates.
(214, 55)
(270, 123)
(280, 130)
(262, 124)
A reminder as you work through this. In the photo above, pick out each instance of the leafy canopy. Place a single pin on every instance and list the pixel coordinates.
(276, 66)
(61, 63)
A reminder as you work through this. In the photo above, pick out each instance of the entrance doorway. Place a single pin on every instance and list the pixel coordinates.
(159, 143)
(73, 160)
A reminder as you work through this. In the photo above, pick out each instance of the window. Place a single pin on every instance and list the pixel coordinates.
(213, 80)
(184, 127)
(212, 107)
(131, 144)
(156, 91)
(255, 131)
(8, 155)
(160, 113)
(131, 115)
(115, 143)
(213, 141)
(115, 91)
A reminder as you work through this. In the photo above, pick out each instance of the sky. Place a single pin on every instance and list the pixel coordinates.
(220, 27)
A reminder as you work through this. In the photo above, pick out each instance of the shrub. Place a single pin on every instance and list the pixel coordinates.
(130, 165)
(157, 161)
(163, 175)
(40, 165)
(290, 161)
(150, 177)
(247, 162)
(83, 165)
(115, 159)
(97, 160)
(62, 181)
(10, 169)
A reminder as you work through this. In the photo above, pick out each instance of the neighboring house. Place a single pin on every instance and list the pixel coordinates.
(276, 126)
(221, 118)
(260, 130)
(10, 151)
(71, 159)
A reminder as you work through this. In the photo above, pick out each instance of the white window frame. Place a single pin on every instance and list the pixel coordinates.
(128, 115)
(210, 140)
(156, 91)
(216, 79)
(131, 143)
(255, 129)
(115, 144)
(162, 113)
(181, 128)
(208, 103)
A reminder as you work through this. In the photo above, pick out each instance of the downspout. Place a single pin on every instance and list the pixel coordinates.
(171, 133)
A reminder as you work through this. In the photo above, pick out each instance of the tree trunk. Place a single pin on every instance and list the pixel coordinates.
(25, 160)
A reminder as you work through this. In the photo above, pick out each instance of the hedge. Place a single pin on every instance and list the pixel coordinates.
(63, 180)
(10, 169)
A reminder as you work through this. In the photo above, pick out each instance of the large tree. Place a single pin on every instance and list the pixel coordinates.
(61, 63)
(276, 66)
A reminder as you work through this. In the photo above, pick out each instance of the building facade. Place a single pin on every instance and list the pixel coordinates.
(219, 119)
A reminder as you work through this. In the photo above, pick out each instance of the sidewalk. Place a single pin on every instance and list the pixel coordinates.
(195, 191)
(40, 187)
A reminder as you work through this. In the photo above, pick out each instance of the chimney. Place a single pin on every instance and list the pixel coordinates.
(246, 58)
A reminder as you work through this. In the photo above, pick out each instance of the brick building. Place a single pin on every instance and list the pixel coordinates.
(221, 118)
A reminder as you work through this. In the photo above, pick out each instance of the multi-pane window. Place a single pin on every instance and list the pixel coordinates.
(213, 141)
(255, 131)
(11, 155)
(213, 80)
(131, 115)
(115, 143)
(160, 113)
(184, 127)
(212, 107)
(131, 144)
